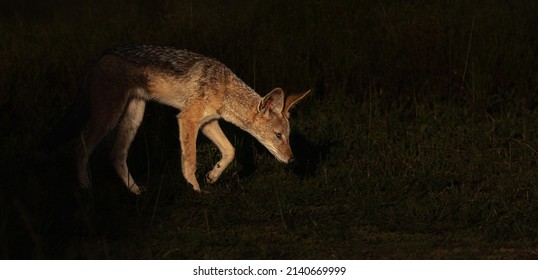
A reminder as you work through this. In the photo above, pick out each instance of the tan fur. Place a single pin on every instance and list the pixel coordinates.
(204, 90)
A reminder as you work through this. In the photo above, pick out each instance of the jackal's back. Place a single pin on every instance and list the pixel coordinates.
(174, 61)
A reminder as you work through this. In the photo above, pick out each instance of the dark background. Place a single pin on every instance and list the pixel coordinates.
(418, 141)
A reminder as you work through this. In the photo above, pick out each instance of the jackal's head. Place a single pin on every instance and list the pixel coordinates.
(271, 126)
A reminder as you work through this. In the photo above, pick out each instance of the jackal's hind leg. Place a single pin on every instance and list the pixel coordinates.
(82, 157)
(213, 131)
(188, 131)
(99, 125)
(126, 132)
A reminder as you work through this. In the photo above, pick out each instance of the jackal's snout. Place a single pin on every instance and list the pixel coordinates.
(291, 160)
(283, 154)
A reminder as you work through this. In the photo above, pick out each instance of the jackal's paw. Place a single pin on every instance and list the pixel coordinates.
(84, 186)
(135, 189)
(210, 178)
(84, 181)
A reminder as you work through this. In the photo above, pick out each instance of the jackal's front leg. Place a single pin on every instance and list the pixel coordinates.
(214, 133)
(188, 130)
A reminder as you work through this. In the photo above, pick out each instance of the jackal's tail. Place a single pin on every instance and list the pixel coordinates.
(71, 123)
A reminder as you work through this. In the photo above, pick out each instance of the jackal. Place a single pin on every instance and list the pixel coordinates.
(120, 82)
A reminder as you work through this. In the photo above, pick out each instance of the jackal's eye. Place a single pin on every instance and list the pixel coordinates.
(278, 135)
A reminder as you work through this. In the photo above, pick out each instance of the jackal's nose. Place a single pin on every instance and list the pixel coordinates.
(291, 160)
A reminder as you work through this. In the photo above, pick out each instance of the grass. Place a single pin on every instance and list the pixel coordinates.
(418, 142)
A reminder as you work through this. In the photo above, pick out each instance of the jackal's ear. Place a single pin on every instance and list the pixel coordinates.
(291, 100)
(272, 101)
